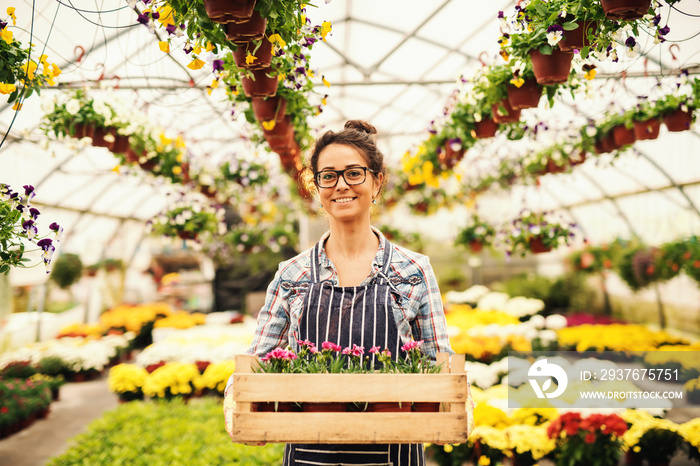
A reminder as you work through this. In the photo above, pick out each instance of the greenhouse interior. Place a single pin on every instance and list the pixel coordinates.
(541, 176)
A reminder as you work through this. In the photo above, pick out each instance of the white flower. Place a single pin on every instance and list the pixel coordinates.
(555, 322)
(554, 37)
(73, 107)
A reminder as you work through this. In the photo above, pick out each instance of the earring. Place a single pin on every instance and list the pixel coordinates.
(374, 201)
(320, 205)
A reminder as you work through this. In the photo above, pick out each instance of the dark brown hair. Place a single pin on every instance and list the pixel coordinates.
(357, 134)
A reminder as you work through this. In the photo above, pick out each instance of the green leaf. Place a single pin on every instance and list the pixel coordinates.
(570, 26)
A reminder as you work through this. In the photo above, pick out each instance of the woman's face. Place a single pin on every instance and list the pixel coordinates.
(345, 201)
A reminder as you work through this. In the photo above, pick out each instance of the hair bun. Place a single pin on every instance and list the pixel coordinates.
(361, 126)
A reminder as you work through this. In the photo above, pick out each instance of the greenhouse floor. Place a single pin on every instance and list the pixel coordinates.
(81, 403)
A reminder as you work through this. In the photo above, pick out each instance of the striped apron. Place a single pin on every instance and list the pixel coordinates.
(360, 315)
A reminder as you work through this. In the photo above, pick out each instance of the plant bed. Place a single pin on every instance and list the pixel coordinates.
(449, 388)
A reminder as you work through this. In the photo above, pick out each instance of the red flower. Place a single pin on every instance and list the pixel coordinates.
(4, 410)
(590, 437)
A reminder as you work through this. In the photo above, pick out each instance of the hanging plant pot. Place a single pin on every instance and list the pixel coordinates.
(486, 128)
(81, 130)
(648, 129)
(599, 146)
(281, 141)
(226, 11)
(623, 136)
(262, 56)
(609, 143)
(537, 246)
(475, 246)
(272, 108)
(131, 155)
(260, 85)
(100, 137)
(552, 167)
(578, 38)
(526, 96)
(448, 156)
(187, 234)
(678, 120)
(121, 144)
(625, 9)
(503, 112)
(251, 29)
(578, 159)
(149, 164)
(551, 69)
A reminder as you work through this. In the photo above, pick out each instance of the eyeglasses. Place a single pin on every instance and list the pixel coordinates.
(352, 176)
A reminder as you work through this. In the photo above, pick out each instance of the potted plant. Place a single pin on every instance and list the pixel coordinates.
(537, 232)
(691, 257)
(127, 381)
(523, 89)
(550, 65)
(637, 266)
(67, 270)
(476, 234)
(188, 219)
(645, 121)
(595, 440)
(492, 84)
(677, 111)
(659, 443)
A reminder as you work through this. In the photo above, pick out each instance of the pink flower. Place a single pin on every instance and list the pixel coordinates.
(313, 350)
(374, 350)
(386, 353)
(358, 350)
(329, 345)
(412, 345)
(279, 353)
(346, 350)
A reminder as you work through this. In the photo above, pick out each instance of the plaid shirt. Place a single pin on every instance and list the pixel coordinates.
(417, 307)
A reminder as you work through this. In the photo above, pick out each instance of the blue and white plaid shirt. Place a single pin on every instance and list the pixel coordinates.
(417, 307)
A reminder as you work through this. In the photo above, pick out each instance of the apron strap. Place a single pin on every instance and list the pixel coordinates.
(383, 272)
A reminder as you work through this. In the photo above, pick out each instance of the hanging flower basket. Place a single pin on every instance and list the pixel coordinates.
(226, 11)
(251, 29)
(578, 159)
(510, 115)
(623, 136)
(553, 68)
(262, 56)
(187, 234)
(552, 167)
(526, 96)
(121, 144)
(131, 155)
(537, 246)
(648, 129)
(609, 143)
(281, 141)
(578, 38)
(260, 85)
(449, 156)
(98, 138)
(485, 128)
(272, 108)
(678, 120)
(476, 246)
(625, 9)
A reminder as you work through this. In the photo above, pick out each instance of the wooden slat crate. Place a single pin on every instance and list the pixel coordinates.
(449, 387)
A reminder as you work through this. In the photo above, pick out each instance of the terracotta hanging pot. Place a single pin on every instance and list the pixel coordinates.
(272, 108)
(503, 112)
(625, 9)
(552, 167)
(599, 146)
(578, 38)
(81, 130)
(281, 141)
(609, 143)
(553, 68)
(260, 85)
(486, 128)
(263, 55)
(226, 11)
(251, 29)
(578, 160)
(475, 246)
(187, 234)
(121, 144)
(648, 129)
(98, 138)
(131, 155)
(537, 247)
(623, 136)
(448, 156)
(526, 96)
(678, 120)
(281, 128)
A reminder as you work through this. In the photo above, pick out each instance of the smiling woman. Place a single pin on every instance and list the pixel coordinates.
(353, 287)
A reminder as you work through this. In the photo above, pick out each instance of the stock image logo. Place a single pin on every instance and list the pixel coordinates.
(541, 369)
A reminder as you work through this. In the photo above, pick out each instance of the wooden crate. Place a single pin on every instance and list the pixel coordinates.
(449, 387)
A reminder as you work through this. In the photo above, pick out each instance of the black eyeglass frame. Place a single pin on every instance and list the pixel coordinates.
(340, 173)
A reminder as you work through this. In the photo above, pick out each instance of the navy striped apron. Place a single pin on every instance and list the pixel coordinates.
(360, 315)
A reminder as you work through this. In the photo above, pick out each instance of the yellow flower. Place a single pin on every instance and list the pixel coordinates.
(268, 125)
(209, 47)
(448, 448)
(310, 73)
(277, 41)
(196, 64)
(29, 68)
(7, 88)
(6, 35)
(216, 375)
(55, 70)
(484, 461)
(325, 82)
(116, 169)
(197, 50)
(324, 101)
(17, 106)
(250, 58)
(11, 12)
(164, 139)
(164, 46)
(126, 378)
(504, 54)
(179, 160)
(590, 74)
(177, 170)
(166, 15)
(325, 29)
(179, 142)
(517, 81)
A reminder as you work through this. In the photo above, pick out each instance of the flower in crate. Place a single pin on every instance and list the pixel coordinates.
(279, 360)
(595, 440)
(171, 379)
(416, 361)
(127, 379)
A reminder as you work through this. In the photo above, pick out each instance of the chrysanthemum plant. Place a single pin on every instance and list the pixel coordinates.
(595, 440)
(18, 225)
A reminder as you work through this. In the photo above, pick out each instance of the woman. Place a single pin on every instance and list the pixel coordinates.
(394, 295)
